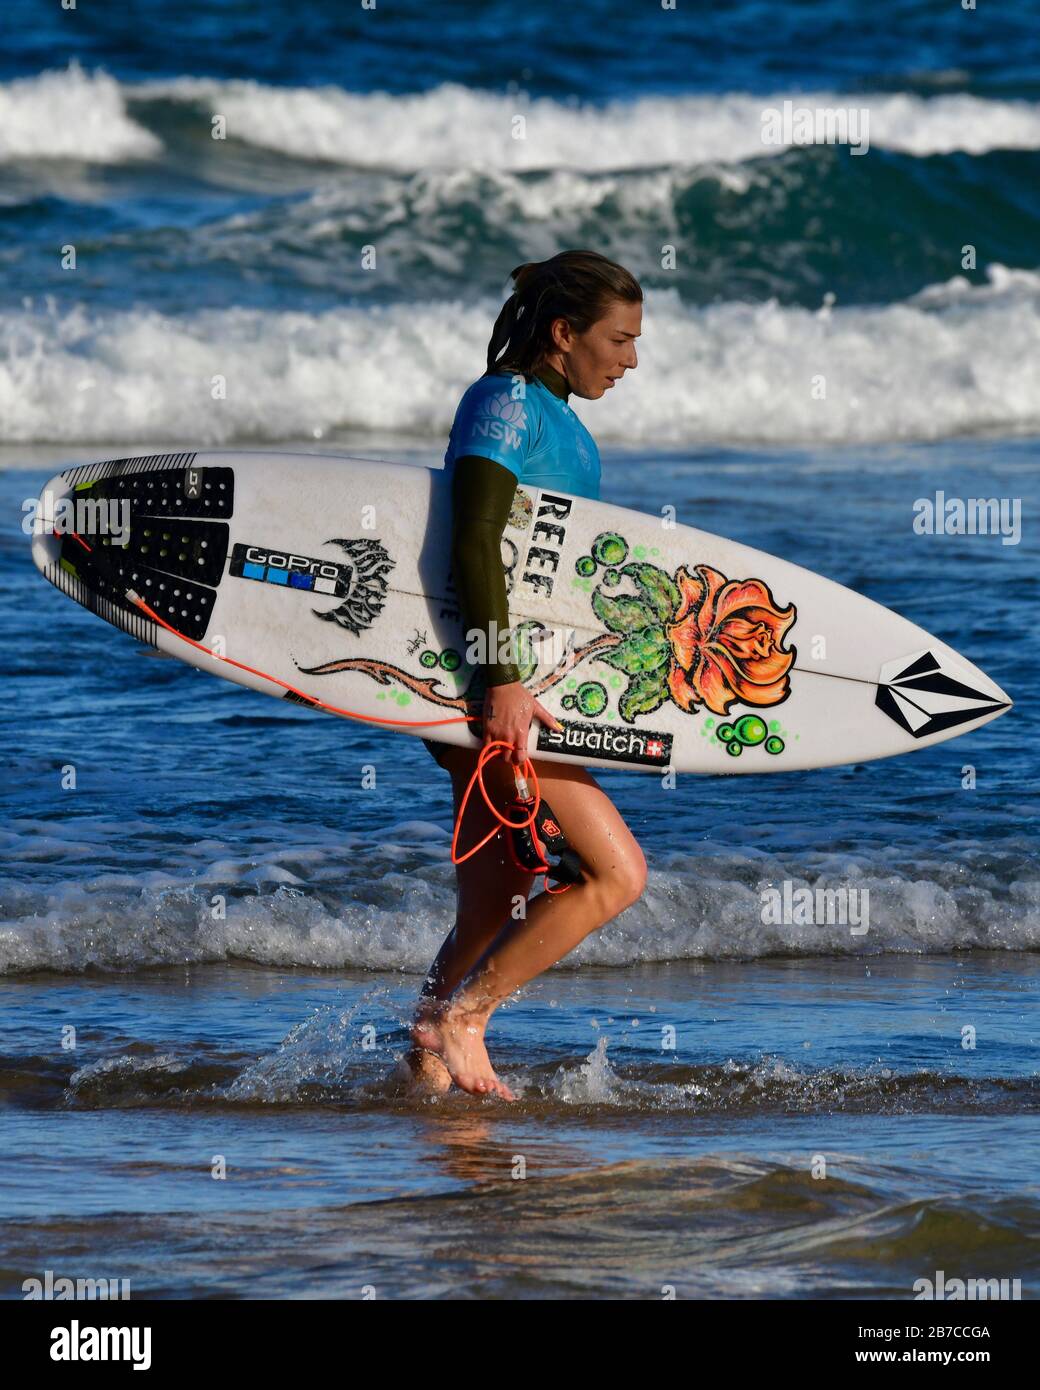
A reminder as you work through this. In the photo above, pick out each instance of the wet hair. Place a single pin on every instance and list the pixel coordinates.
(578, 286)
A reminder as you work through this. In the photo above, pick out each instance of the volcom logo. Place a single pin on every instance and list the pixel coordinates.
(500, 418)
(926, 694)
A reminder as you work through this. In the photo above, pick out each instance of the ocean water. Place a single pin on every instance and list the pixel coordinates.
(737, 1109)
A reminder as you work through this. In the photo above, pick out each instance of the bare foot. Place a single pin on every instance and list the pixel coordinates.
(423, 1073)
(459, 1039)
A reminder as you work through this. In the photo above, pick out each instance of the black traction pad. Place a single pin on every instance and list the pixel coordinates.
(178, 541)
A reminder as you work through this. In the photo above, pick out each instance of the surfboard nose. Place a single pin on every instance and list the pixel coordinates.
(985, 686)
(46, 546)
(1004, 698)
(936, 691)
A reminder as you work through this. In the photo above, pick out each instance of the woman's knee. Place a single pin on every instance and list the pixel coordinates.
(612, 862)
(621, 884)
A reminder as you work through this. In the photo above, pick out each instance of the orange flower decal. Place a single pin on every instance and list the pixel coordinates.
(726, 643)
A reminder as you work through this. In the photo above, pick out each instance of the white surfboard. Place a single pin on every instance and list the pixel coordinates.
(655, 647)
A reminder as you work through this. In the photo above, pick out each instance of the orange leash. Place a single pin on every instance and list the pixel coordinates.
(488, 751)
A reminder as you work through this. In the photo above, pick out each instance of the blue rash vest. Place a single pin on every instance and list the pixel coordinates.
(538, 438)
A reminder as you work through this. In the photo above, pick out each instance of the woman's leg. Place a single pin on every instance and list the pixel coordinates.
(489, 887)
(614, 876)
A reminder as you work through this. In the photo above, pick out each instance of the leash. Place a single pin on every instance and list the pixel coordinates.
(530, 840)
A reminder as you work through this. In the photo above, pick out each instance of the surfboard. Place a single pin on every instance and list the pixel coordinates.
(656, 645)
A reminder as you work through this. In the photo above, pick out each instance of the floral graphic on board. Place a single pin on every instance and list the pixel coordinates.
(694, 638)
(697, 638)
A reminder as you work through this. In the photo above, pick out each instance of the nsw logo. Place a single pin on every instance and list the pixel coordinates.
(499, 418)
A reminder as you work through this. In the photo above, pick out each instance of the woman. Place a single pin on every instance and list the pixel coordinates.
(569, 328)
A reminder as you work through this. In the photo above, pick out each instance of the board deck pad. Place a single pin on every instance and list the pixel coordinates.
(655, 645)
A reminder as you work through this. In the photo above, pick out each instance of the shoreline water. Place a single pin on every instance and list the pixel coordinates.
(819, 1131)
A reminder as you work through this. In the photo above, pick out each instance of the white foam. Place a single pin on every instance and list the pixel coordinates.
(70, 114)
(334, 900)
(953, 360)
(453, 125)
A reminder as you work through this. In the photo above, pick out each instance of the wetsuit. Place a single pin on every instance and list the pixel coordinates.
(497, 442)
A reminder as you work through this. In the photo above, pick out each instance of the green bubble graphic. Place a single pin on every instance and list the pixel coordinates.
(591, 698)
(750, 730)
(609, 548)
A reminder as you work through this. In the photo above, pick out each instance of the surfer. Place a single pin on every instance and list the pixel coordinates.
(569, 328)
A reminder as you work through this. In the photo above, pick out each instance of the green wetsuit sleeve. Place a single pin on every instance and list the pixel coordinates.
(482, 494)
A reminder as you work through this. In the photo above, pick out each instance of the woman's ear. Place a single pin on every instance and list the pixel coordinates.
(561, 334)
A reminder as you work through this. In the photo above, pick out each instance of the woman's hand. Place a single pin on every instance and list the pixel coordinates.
(508, 711)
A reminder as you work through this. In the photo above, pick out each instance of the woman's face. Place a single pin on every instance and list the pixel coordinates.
(593, 361)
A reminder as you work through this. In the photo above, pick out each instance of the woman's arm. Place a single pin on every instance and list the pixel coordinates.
(482, 495)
